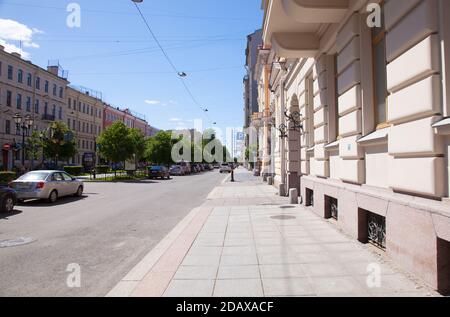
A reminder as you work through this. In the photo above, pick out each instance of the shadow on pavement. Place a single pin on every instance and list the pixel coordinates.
(42, 203)
(7, 215)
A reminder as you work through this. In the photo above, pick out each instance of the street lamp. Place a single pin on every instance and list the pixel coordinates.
(25, 126)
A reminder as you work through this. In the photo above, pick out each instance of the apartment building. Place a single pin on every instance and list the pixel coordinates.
(27, 90)
(358, 95)
(85, 119)
(254, 41)
(130, 118)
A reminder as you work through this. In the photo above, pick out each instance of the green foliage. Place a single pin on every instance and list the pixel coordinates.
(139, 142)
(58, 145)
(102, 169)
(159, 148)
(74, 170)
(116, 144)
(6, 177)
(34, 145)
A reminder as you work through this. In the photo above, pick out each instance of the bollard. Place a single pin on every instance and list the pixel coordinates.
(270, 181)
(232, 176)
(293, 196)
(264, 177)
(282, 190)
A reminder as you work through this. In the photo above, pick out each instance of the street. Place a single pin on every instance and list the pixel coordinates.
(106, 233)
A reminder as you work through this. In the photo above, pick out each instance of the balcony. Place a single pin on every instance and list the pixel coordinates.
(48, 117)
(292, 26)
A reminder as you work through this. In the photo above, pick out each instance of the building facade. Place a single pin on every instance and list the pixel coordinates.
(359, 97)
(85, 119)
(254, 41)
(27, 90)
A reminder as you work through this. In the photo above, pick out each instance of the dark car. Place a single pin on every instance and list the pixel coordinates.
(8, 199)
(158, 172)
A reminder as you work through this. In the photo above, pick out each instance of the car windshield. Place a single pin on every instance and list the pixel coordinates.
(156, 168)
(39, 176)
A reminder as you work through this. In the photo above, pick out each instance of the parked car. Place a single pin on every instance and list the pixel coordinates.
(225, 168)
(158, 172)
(187, 168)
(8, 199)
(176, 170)
(216, 166)
(49, 185)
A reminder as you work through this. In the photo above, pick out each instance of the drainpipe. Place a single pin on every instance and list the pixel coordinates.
(283, 140)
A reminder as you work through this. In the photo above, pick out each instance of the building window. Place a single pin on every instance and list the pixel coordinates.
(28, 104)
(54, 90)
(8, 127)
(38, 83)
(19, 101)
(36, 106)
(46, 86)
(69, 103)
(29, 80)
(331, 208)
(61, 92)
(54, 111)
(60, 113)
(379, 71)
(8, 98)
(74, 105)
(79, 106)
(372, 228)
(46, 108)
(20, 76)
(84, 108)
(10, 72)
(68, 123)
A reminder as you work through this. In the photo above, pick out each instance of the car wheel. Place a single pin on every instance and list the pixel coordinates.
(79, 192)
(8, 204)
(53, 197)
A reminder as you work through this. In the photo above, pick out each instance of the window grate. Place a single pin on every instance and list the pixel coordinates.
(376, 230)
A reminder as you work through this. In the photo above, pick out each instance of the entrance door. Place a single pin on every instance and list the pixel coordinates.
(4, 160)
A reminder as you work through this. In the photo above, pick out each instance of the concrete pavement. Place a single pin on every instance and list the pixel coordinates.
(246, 241)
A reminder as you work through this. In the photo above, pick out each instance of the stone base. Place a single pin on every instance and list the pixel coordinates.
(417, 229)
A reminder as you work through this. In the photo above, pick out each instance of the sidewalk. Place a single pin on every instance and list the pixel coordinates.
(245, 241)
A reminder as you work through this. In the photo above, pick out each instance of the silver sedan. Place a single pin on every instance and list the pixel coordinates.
(49, 185)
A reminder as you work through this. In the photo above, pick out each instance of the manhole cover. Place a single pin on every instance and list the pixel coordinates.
(283, 217)
(16, 242)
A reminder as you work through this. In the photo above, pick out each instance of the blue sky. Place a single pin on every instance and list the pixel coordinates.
(112, 52)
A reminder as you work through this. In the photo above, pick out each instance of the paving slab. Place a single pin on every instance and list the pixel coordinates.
(236, 245)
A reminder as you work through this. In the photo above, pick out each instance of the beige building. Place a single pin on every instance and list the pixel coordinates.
(367, 109)
(85, 118)
(27, 90)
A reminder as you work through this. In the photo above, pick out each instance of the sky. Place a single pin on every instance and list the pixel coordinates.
(113, 52)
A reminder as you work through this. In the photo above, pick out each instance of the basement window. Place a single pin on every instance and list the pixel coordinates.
(331, 208)
(309, 199)
(372, 229)
(443, 270)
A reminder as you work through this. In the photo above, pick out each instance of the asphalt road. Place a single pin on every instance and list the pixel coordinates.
(106, 233)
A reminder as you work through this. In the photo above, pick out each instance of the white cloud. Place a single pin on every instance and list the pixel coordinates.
(159, 102)
(13, 31)
(11, 48)
(152, 102)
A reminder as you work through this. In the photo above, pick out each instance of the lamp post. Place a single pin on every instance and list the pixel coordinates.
(25, 125)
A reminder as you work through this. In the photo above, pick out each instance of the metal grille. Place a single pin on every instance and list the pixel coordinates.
(309, 197)
(334, 212)
(376, 230)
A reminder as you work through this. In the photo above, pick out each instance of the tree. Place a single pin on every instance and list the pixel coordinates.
(34, 147)
(159, 148)
(115, 143)
(60, 143)
(139, 142)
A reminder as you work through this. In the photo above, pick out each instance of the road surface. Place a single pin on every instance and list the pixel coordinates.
(104, 234)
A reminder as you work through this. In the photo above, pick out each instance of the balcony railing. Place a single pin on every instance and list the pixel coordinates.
(48, 117)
